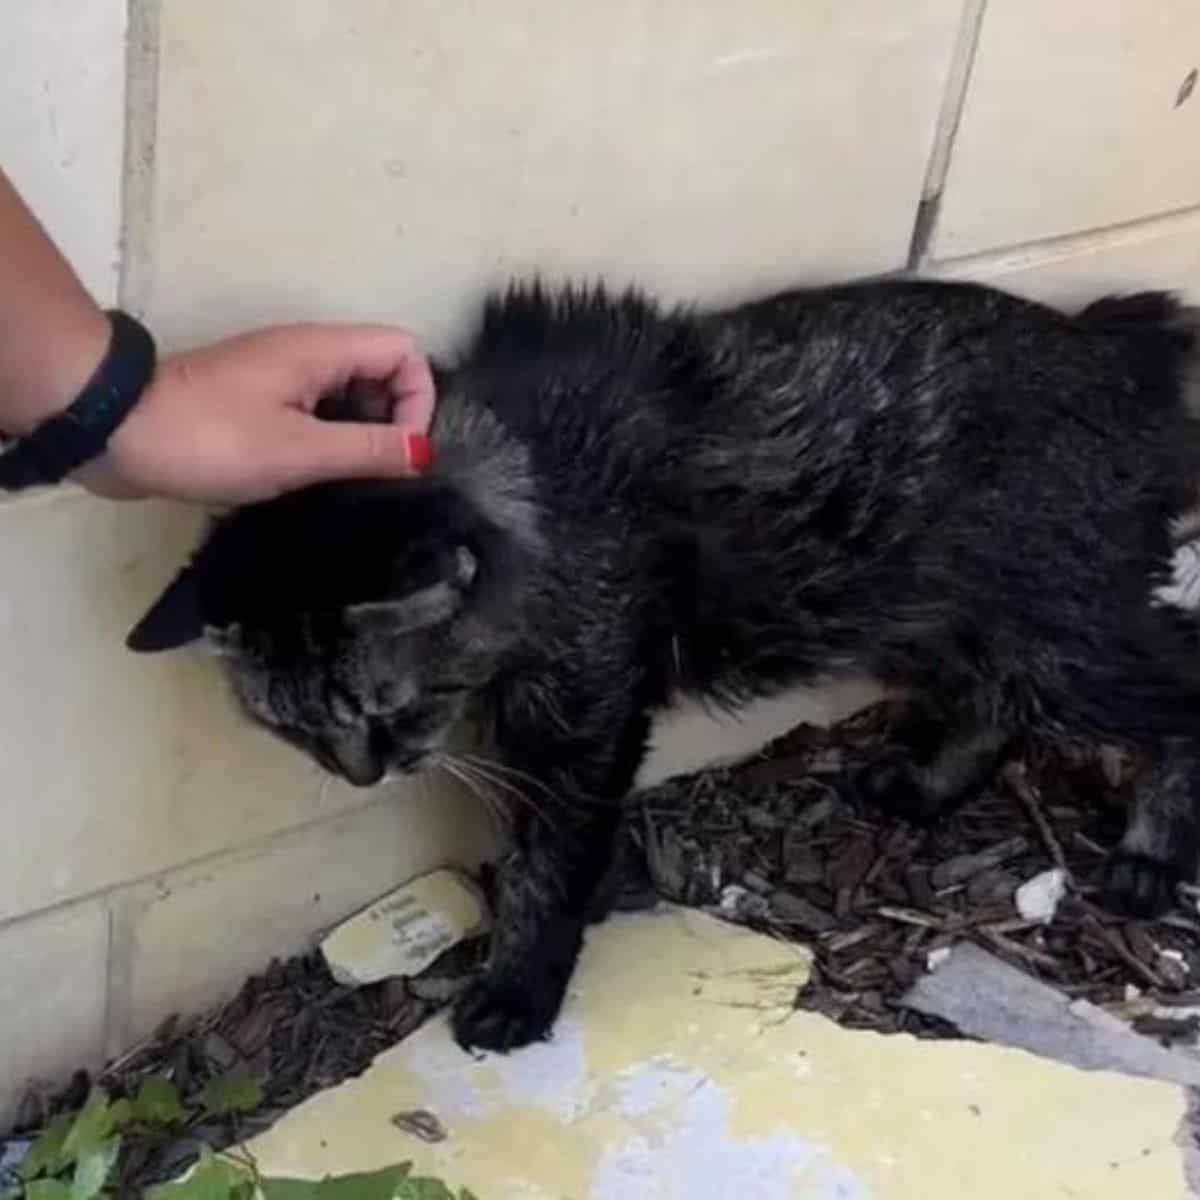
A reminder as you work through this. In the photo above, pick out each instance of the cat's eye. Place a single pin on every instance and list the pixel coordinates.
(341, 708)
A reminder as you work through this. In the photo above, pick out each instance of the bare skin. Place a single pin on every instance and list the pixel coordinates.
(226, 423)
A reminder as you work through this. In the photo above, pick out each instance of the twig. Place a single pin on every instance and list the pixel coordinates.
(910, 916)
(1017, 778)
(1118, 947)
(1017, 949)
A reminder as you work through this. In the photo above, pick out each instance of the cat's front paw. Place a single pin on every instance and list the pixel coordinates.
(1136, 885)
(503, 1013)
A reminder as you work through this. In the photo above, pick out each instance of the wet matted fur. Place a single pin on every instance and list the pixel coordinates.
(963, 494)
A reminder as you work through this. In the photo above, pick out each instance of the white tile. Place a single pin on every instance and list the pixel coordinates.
(1161, 255)
(198, 932)
(62, 92)
(692, 736)
(52, 995)
(384, 160)
(1071, 122)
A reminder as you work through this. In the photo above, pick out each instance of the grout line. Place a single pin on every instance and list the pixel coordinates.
(113, 891)
(118, 984)
(138, 175)
(1064, 246)
(954, 98)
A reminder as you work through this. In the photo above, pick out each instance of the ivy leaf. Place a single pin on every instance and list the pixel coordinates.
(46, 1154)
(121, 1113)
(416, 1188)
(213, 1179)
(289, 1189)
(385, 1184)
(47, 1189)
(92, 1170)
(89, 1129)
(237, 1091)
(158, 1104)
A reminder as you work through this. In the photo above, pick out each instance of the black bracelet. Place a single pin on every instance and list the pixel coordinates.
(64, 442)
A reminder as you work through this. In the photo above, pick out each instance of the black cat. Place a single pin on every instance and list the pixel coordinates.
(952, 490)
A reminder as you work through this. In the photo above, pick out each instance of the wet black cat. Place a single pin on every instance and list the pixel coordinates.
(950, 489)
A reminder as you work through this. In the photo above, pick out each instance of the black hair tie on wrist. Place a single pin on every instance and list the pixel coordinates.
(62, 443)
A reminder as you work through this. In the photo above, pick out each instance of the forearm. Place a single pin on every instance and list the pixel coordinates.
(52, 334)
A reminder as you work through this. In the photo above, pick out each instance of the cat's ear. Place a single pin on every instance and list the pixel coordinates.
(422, 609)
(173, 620)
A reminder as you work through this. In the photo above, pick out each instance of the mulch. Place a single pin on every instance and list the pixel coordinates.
(293, 1027)
(779, 843)
(782, 843)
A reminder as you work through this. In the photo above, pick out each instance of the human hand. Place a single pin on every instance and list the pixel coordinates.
(234, 422)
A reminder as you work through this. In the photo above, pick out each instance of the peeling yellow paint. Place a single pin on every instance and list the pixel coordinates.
(680, 1071)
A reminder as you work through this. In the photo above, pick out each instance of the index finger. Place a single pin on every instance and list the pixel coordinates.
(385, 354)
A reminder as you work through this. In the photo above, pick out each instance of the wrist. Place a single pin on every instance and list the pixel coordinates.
(55, 375)
(67, 435)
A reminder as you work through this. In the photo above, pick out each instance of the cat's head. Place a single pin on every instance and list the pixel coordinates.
(356, 621)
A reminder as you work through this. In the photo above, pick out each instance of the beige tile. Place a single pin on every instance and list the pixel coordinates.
(387, 160)
(1163, 255)
(117, 766)
(52, 996)
(62, 91)
(198, 932)
(692, 735)
(1071, 122)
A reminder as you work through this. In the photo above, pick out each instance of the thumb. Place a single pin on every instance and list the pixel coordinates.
(330, 450)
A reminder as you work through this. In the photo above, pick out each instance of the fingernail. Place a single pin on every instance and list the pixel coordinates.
(420, 451)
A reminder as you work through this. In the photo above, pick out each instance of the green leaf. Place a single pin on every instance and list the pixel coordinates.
(416, 1188)
(46, 1154)
(89, 1129)
(121, 1113)
(385, 1184)
(289, 1189)
(213, 1179)
(47, 1189)
(92, 1170)
(237, 1091)
(157, 1103)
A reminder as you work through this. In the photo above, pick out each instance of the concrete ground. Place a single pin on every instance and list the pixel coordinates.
(680, 1071)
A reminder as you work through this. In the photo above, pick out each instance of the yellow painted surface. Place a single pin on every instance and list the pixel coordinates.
(678, 1070)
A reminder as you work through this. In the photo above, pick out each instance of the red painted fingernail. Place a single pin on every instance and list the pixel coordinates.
(420, 452)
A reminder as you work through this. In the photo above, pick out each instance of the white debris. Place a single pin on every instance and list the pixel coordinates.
(935, 958)
(1132, 993)
(404, 931)
(739, 904)
(1038, 898)
(1175, 956)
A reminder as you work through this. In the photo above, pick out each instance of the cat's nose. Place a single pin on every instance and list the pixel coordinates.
(359, 767)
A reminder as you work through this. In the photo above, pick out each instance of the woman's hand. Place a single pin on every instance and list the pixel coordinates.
(233, 422)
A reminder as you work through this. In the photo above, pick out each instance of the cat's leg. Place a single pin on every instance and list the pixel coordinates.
(1161, 846)
(938, 764)
(546, 888)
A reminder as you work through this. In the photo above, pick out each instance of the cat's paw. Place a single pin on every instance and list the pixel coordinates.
(503, 1013)
(892, 784)
(1136, 885)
